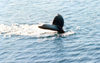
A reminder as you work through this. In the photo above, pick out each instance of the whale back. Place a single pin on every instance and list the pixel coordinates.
(58, 21)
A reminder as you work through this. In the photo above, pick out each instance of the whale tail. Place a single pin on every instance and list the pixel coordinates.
(57, 24)
(58, 21)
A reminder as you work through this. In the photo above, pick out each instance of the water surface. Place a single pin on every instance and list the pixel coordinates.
(22, 42)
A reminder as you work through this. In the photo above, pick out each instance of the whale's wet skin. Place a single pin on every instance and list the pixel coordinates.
(22, 41)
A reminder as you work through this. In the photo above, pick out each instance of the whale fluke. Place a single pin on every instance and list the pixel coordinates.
(57, 24)
(58, 21)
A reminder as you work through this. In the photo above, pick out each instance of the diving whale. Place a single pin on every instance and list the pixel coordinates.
(57, 24)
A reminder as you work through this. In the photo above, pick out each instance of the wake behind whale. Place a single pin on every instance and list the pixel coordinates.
(35, 30)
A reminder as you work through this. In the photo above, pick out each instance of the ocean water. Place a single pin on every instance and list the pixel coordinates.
(21, 41)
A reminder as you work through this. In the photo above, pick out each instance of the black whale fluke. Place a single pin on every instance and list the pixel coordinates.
(57, 24)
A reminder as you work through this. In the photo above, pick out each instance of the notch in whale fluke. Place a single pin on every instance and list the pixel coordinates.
(57, 24)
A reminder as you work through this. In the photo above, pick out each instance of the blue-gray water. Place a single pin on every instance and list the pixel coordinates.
(81, 17)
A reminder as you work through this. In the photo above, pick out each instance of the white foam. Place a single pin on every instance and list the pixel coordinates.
(23, 29)
(68, 33)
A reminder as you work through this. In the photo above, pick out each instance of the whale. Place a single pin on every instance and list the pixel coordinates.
(57, 24)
